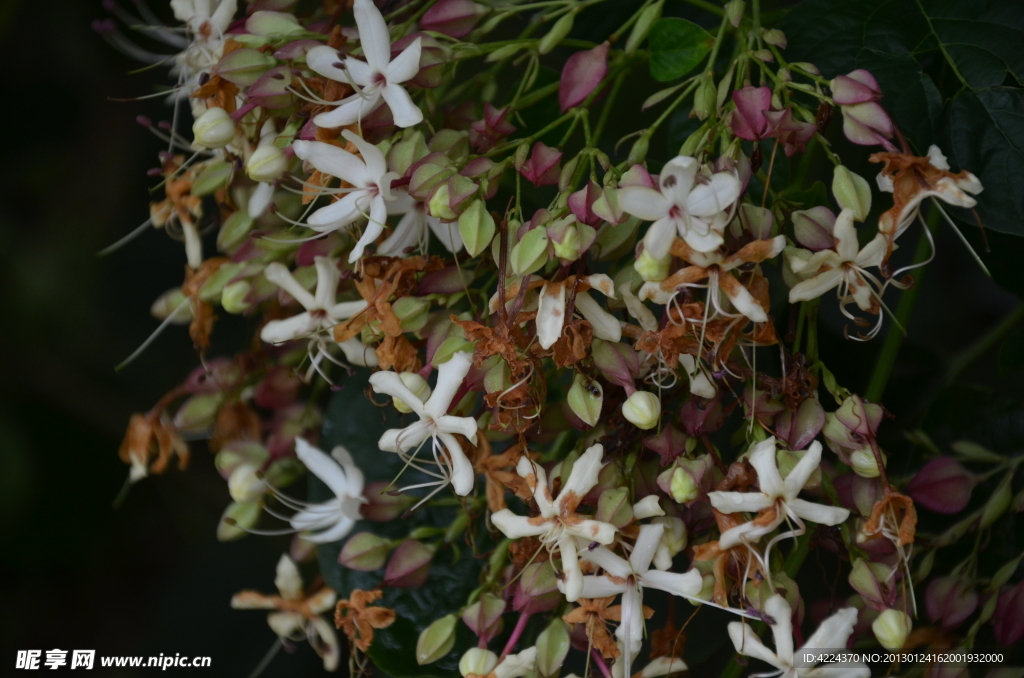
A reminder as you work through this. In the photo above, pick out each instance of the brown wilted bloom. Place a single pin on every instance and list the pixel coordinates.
(202, 312)
(384, 279)
(151, 436)
(499, 471)
(357, 619)
(893, 517)
(398, 354)
(594, 614)
(235, 421)
(218, 92)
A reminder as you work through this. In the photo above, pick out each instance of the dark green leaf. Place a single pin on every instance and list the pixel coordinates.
(951, 72)
(677, 47)
(354, 422)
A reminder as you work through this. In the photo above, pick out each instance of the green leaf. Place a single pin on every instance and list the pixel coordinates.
(677, 47)
(951, 73)
(355, 422)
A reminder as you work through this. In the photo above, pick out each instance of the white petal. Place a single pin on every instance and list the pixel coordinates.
(636, 308)
(406, 235)
(659, 237)
(606, 326)
(845, 234)
(740, 502)
(353, 474)
(750, 533)
(834, 631)
(337, 214)
(325, 468)
(466, 426)
(404, 112)
(643, 550)
(358, 354)
(260, 199)
(648, 507)
(286, 624)
(676, 179)
(332, 534)
(450, 376)
(222, 16)
(279, 274)
(686, 584)
(644, 203)
(550, 314)
(762, 458)
(812, 288)
(376, 165)
(706, 200)
(744, 301)
(349, 111)
(583, 476)
(612, 563)
(288, 580)
(700, 383)
(334, 161)
(702, 237)
(571, 568)
(328, 648)
(516, 665)
(322, 59)
(517, 527)
(802, 471)
(593, 531)
(748, 644)
(462, 471)
(938, 161)
(663, 666)
(782, 630)
(373, 34)
(447, 233)
(406, 65)
(599, 587)
(404, 439)
(296, 327)
(818, 513)
(389, 383)
(873, 252)
(327, 277)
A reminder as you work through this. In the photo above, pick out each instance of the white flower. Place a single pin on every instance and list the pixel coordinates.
(551, 309)
(834, 632)
(516, 665)
(558, 525)
(411, 231)
(697, 213)
(206, 21)
(322, 313)
(376, 78)
(630, 578)
(334, 518)
(370, 190)
(298, 616)
(778, 498)
(842, 267)
(435, 423)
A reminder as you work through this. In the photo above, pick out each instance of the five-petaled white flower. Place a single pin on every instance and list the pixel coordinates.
(322, 313)
(370, 190)
(206, 21)
(298, 615)
(630, 578)
(696, 213)
(435, 423)
(558, 525)
(777, 499)
(334, 518)
(378, 77)
(834, 632)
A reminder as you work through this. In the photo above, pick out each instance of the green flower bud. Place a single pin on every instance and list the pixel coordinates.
(642, 27)
(215, 176)
(642, 409)
(236, 519)
(704, 99)
(211, 289)
(450, 347)
(891, 628)
(411, 149)
(436, 640)
(243, 67)
(171, 302)
(478, 661)
(585, 399)
(997, 503)
(476, 226)
(652, 269)
(775, 38)
(284, 472)
(557, 33)
(412, 312)
(638, 152)
(530, 253)
(453, 143)
(214, 128)
(851, 192)
(552, 646)
(613, 507)
(864, 463)
(438, 204)
(272, 24)
(682, 486)
(734, 12)
(234, 231)
(503, 52)
(498, 377)
(234, 297)
(266, 164)
(365, 552)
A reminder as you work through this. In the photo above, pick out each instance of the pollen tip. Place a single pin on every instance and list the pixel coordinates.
(230, 521)
(144, 121)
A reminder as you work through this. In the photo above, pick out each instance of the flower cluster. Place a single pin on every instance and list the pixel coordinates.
(566, 337)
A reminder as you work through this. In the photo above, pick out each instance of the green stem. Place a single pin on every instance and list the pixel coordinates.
(708, 7)
(975, 350)
(895, 336)
(606, 111)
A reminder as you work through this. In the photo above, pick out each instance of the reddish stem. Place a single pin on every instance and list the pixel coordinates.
(516, 633)
(596, 656)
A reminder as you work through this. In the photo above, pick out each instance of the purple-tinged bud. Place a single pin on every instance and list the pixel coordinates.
(813, 228)
(950, 600)
(699, 415)
(296, 49)
(198, 412)
(537, 589)
(271, 90)
(856, 88)
(867, 124)
(430, 171)
(748, 120)
(382, 507)
(484, 616)
(801, 427)
(403, 155)
(279, 388)
(1008, 621)
(581, 75)
(542, 166)
(669, 443)
(365, 552)
(943, 486)
(409, 564)
(243, 67)
(301, 550)
(485, 134)
(875, 582)
(618, 362)
(614, 507)
(757, 220)
(582, 203)
(454, 18)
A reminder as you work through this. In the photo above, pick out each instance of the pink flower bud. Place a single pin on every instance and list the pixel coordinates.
(409, 564)
(582, 73)
(485, 134)
(800, 428)
(757, 220)
(271, 90)
(637, 175)
(537, 590)
(669, 443)
(381, 507)
(365, 552)
(278, 389)
(454, 18)
(943, 486)
(699, 416)
(542, 166)
(950, 601)
(484, 616)
(748, 120)
(618, 362)
(295, 49)
(856, 88)
(813, 228)
(791, 133)
(867, 124)
(875, 582)
(582, 203)
(1008, 621)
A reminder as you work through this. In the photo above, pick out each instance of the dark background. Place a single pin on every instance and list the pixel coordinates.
(150, 577)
